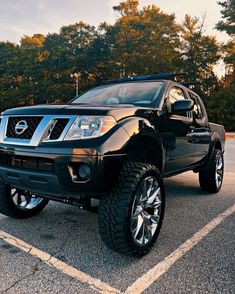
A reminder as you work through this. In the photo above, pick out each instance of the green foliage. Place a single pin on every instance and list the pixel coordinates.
(127, 8)
(200, 54)
(144, 41)
(221, 106)
(141, 41)
(228, 16)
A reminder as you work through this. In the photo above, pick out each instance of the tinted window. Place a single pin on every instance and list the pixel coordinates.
(197, 111)
(141, 93)
(175, 94)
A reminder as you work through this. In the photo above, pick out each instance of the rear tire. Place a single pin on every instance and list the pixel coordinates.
(28, 204)
(211, 177)
(130, 217)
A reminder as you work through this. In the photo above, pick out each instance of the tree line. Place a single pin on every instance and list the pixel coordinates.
(141, 41)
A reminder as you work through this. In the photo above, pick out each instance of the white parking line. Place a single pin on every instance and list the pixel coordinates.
(162, 267)
(94, 283)
(140, 284)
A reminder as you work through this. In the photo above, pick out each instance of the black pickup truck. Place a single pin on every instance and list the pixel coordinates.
(113, 145)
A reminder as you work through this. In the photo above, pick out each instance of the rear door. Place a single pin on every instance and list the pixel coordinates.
(200, 134)
(180, 150)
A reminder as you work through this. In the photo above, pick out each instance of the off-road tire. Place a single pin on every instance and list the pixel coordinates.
(207, 176)
(115, 210)
(8, 208)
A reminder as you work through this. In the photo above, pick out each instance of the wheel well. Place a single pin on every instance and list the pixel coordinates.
(145, 150)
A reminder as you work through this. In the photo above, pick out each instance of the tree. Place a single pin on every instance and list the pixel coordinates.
(227, 23)
(68, 52)
(200, 54)
(142, 40)
(127, 8)
(7, 53)
(223, 105)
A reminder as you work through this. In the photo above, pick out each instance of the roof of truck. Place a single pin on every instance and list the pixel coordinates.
(152, 77)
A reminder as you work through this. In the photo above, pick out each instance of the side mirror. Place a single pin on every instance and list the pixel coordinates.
(182, 106)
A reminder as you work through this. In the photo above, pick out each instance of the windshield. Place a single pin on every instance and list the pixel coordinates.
(141, 93)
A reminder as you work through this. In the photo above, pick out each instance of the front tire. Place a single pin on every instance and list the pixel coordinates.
(130, 217)
(19, 204)
(211, 177)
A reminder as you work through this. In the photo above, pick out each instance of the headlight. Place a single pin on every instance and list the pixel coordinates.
(86, 127)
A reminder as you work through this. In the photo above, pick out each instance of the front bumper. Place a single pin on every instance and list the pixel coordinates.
(48, 173)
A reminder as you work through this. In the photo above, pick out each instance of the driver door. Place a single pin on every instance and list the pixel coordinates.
(180, 151)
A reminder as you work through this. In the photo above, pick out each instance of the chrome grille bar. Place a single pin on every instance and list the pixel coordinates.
(41, 133)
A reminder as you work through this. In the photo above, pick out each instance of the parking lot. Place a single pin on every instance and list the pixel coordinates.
(60, 250)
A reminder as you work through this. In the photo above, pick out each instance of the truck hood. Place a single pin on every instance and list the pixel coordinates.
(118, 112)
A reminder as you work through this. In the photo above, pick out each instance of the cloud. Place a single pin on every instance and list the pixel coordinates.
(18, 17)
(198, 8)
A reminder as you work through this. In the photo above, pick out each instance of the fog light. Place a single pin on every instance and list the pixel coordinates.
(84, 171)
(79, 172)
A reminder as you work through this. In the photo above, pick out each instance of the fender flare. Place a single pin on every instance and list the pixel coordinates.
(140, 129)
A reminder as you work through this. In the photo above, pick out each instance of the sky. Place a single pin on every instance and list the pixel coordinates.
(27, 17)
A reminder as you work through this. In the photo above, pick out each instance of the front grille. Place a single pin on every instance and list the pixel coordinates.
(34, 130)
(32, 163)
(32, 123)
(58, 128)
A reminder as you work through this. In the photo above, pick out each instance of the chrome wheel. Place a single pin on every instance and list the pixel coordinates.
(146, 211)
(24, 199)
(219, 170)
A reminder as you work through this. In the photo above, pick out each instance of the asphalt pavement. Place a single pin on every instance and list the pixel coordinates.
(72, 236)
